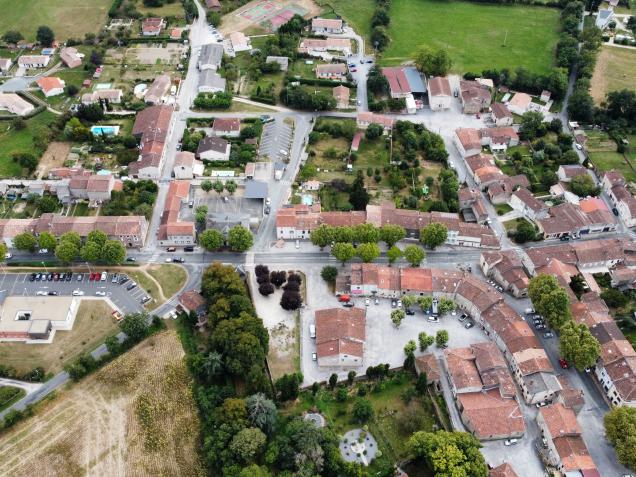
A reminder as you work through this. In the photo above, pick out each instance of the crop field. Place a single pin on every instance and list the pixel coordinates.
(67, 18)
(615, 70)
(135, 417)
(504, 36)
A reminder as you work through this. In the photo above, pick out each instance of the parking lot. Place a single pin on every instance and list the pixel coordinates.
(127, 300)
(276, 138)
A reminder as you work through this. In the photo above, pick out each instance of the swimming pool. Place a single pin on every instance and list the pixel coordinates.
(105, 130)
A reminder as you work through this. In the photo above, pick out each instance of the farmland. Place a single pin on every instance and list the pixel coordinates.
(67, 18)
(136, 416)
(615, 70)
(530, 34)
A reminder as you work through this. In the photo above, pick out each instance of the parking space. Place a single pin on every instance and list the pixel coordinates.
(117, 287)
(276, 140)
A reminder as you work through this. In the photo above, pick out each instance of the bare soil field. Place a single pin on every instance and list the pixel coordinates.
(135, 417)
(54, 156)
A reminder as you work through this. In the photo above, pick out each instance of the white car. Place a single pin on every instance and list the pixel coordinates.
(168, 260)
(579, 147)
(268, 201)
(100, 293)
(78, 293)
(511, 442)
(41, 293)
(43, 251)
(367, 302)
(7, 256)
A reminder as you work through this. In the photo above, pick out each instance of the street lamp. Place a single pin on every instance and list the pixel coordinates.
(44, 265)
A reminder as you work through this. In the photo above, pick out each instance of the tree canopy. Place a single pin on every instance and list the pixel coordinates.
(449, 454)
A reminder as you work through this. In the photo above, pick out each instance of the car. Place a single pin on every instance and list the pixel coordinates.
(353, 70)
(41, 293)
(49, 277)
(348, 304)
(100, 293)
(500, 289)
(78, 293)
(43, 251)
(80, 277)
(267, 209)
(352, 65)
(283, 152)
(511, 442)
(579, 147)
(367, 302)
(53, 293)
(103, 277)
(463, 317)
(265, 118)
(565, 238)
(188, 249)
(131, 259)
(62, 277)
(376, 301)
(114, 279)
(168, 260)
(563, 363)
(123, 280)
(131, 286)
(468, 325)
(393, 303)
(91, 277)
(548, 334)
(171, 249)
(145, 300)
(541, 326)
(297, 243)
(399, 303)
(7, 256)
(370, 62)
(38, 276)
(56, 277)
(312, 331)
(433, 319)
(477, 116)
(529, 311)
(409, 312)
(615, 211)
(453, 313)
(314, 357)
(32, 277)
(69, 276)
(178, 260)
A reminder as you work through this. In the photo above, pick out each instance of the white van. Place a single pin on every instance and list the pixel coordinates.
(312, 331)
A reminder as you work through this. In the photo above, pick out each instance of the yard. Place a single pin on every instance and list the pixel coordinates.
(67, 18)
(602, 152)
(615, 70)
(93, 324)
(505, 36)
(136, 416)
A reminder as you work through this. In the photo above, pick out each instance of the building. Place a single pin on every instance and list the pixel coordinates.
(506, 268)
(471, 205)
(321, 26)
(317, 47)
(213, 5)
(616, 370)
(439, 93)
(35, 319)
(520, 103)
(70, 57)
(340, 336)
(213, 148)
(15, 104)
(528, 205)
(157, 91)
(152, 26)
(332, 71)
(192, 301)
(604, 17)
(283, 61)
(364, 119)
(614, 186)
(5, 65)
(51, 85)
(589, 217)
(475, 96)
(211, 56)
(239, 42)
(503, 470)
(211, 82)
(429, 364)
(172, 231)
(186, 166)
(96, 188)
(501, 115)
(405, 82)
(230, 127)
(566, 173)
(467, 141)
(33, 61)
(110, 95)
(151, 127)
(341, 95)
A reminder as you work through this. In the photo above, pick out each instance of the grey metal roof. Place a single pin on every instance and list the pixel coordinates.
(211, 54)
(212, 79)
(255, 190)
(415, 80)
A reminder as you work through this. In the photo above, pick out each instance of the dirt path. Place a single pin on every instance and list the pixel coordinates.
(143, 269)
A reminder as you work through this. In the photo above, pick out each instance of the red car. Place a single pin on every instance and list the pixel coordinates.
(564, 364)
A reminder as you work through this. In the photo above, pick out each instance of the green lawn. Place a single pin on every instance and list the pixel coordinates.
(13, 141)
(474, 33)
(67, 18)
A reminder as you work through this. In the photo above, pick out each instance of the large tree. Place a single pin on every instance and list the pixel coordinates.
(434, 234)
(45, 36)
(441, 338)
(620, 429)
(329, 273)
(135, 326)
(449, 454)
(425, 341)
(66, 252)
(240, 239)
(550, 300)
(91, 252)
(397, 316)
(366, 233)
(211, 240)
(362, 410)
(322, 235)
(414, 255)
(98, 237)
(113, 252)
(25, 241)
(248, 444)
(261, 412)
(47, 240)
(433, 62)
(72, 237)
(584, 186)
(343, 251)
(392, 234)
(368, 252)
(12, 37)
(394, 253)
(358, 195)
(578, 345)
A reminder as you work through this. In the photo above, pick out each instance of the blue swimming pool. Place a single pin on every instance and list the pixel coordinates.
(105, 130)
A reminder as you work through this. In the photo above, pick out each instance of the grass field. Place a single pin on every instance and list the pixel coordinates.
(174, 9)
(615, 70)
(473, 34)
(170, 277)
(93, 324)
(136, 416)
(602, 152)
(67, 18)
(147, 284)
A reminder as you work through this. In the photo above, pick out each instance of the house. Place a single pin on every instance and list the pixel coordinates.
(33, 61)
(614, 186)
(5, 65)
(320, 26)
(70, 57)
(176, 33)
(528, 205)
(364, 119)
(499, 139)
(545, 96)
(471, 205)
(95, 188)
(110, 95)
(211, 82)
(316, 46)
(239, 42)
(501, 115)
(332, 71)
(405, 82)
(213, 148)
(341, 95)
(172, 231)
(211, 56)
(604, 18)
(355, 143)
(283, 61)
(616, 371)
(213, 5)
(439, 93)
(311, 185)
(467, 141)
(429, 364)
(230, 127)
(475, 96)
(15, 104)
(520, 103)
(506, 268)
(567, 172)
(340, 336)
(503, 470)
(152, 26)
(158, 89)
(151, 127)
(51, 85)
(186, 166)
(535, 375)
(590, 216)
(192, 301)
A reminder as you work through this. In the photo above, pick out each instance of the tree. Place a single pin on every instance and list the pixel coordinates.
(394, 253)
(45, 36)
(392, 234)
(351, 375)
(322, 236)
(12, 37)
(97, 236)
(248, 444)
(291, 300)
(397, 316)
(91, 252)
(71, 90)
(426, 302)
(135, 326)
(434, 234)
(212, 365)
(333, 380)
(362, 410)
(266, 289)
(47, 240)
(239, 239)
(409, 300)
(525, 232)
(441, 338)
(230, 187)
(425, 341)
(72, 237)
(288, 386)
(278, 277)
(414, 255)
(445, 305)
(614, 298)
(218, 186)
(3, 251)
(532, 125)
(409, 348)
(584, 186)
(343, 252)
(366, 233)
(113, 252)
(380, 38)
(373, 131)
(206, 185)
(578, 345)
(261, 412)
(25, 241)
(620, 429)
(66, 251)
(449, 454)
(329, 273)
(358, 195)
(631, 24)
(550, 300)
(211, 240)
(433, 62)
(368, 252)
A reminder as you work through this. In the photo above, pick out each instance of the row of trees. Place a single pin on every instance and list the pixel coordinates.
(44, 36)
(239, 239)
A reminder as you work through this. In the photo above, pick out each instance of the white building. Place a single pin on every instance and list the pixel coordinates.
(213, 148)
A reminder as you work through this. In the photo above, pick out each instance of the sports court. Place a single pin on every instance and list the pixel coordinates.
(271, 15)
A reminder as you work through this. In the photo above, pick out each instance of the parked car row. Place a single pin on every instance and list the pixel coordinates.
(493, 284)
(51, 277)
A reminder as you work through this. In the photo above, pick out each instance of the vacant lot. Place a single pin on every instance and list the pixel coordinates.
(476, 35)
(67, 18)
(93, 324)
(602, 152)
(134, 417)
(615, 70)
(171, 278)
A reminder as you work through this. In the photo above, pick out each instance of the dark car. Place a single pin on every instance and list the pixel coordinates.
(178, 260)
(188, 249)
(131, 286)
(131, 259)
(69, 276)
(564, 364)
(565, 238)
(410, 312)
(393, 303)
(49, 277)
(56, 277)
(615, 211)
(145, 300)
(32, 277)
(53, 293)
(349, 304)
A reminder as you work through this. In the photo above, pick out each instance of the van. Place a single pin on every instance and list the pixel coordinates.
(312, 331)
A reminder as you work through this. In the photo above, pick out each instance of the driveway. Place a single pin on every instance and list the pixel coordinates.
(28, 387)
